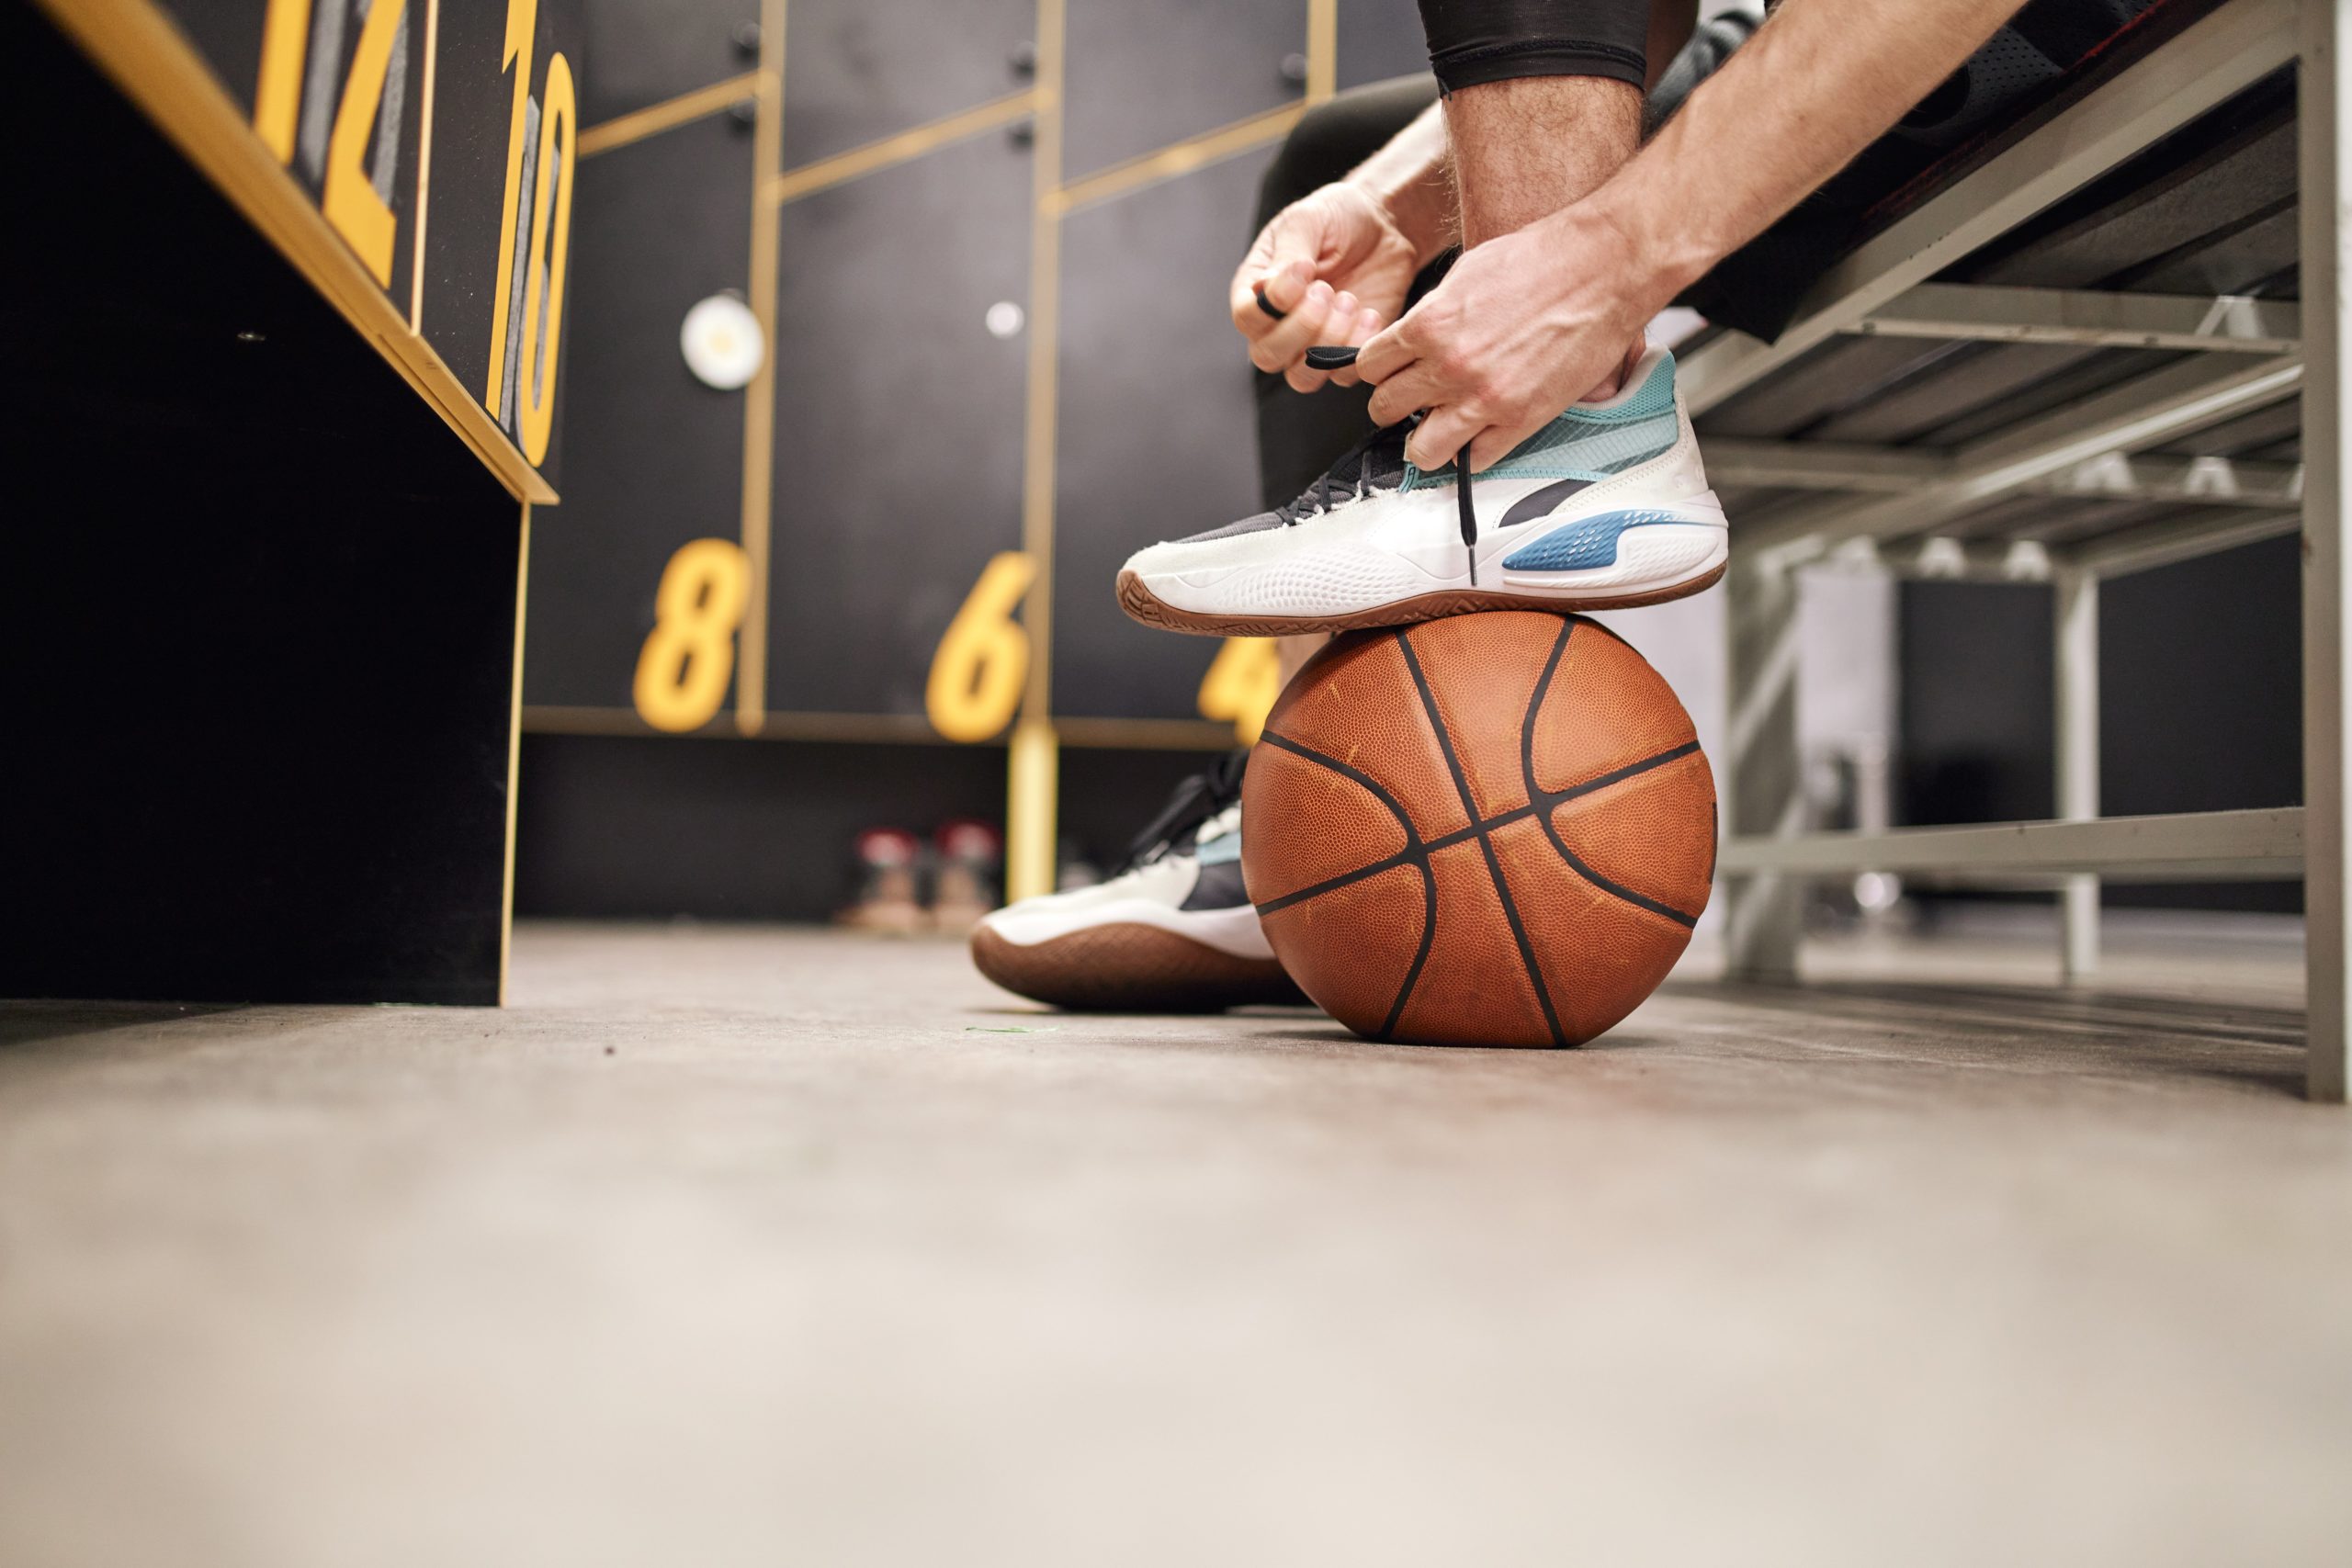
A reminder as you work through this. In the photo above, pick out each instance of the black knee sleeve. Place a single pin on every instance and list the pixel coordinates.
(1492, 40)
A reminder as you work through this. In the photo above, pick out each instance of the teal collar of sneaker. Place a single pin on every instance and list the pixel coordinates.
(1590, 441)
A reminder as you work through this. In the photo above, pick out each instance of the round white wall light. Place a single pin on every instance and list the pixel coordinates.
(722, 341)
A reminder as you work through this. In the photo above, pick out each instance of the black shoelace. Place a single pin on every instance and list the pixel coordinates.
(1317, 498)
(1178, 823)
(1378, 463)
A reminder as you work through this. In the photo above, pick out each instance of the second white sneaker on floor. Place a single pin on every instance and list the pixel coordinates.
(1172, 930)
(1605, 508)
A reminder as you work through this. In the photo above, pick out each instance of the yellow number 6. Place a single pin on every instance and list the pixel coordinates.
(688, 657)
(983, 661)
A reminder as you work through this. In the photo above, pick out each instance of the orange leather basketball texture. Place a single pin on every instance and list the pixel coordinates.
(1490, 830)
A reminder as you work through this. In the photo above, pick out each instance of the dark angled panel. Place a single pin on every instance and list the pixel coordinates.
(1157, 435)
(643, 51)
(281, 772)
(1142, 76)
(227, 34)
(1380, 39)
(898, 419)
(2001, 391)
(656, 458)
(1839, 375)
(855, 71)
(472, 113)
(2228, 167)
(1951, 384)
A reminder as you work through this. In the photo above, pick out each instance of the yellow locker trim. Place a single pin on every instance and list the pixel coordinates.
(671, 113)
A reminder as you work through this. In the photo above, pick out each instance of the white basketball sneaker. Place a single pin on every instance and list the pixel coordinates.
(1172, 932)
(1605, 508)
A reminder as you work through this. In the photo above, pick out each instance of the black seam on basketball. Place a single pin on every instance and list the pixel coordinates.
(1415, 855)
(1527, 766)
(1485, 840)
(1547, 798)
(1395, 808)
(1420, 956)
(1361, 873)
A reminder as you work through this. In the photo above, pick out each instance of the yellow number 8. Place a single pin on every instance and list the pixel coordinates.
(689, 656)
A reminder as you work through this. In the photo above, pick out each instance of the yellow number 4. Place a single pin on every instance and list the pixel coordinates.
(983, 661)
(682, 671)
(1241, 685)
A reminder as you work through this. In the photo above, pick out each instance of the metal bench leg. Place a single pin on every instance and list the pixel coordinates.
(1766, 796)
(2324, 91)
(2077, 713)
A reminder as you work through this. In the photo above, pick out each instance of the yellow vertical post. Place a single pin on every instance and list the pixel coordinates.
(759, 398)
(1032, 770)
(1322, 49)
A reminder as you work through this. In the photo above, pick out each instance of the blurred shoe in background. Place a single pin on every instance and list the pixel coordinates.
(889, 863)
(967, 860)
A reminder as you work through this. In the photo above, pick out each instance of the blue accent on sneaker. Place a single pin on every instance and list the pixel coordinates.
(1588, 542)
(1587, 441)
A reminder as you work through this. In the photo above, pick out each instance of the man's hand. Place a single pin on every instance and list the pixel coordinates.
(1337, 265)
(1522, 326)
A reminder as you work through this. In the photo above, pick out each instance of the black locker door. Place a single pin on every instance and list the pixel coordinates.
(898, 419)
(1158, 439)
(861, 70)
(654, 457)
(1143, 76)
(645, 51)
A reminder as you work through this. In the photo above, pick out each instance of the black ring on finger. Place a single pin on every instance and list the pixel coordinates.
(1265, 304)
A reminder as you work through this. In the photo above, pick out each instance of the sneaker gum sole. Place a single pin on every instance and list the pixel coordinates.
(1144, 606)
(1127, 967)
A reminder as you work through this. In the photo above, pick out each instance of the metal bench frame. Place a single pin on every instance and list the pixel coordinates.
(2252, 353)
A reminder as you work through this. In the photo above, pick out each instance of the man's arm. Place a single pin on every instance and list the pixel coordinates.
(1528, 323)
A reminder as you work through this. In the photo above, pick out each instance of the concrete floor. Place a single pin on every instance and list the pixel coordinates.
(757, 1246)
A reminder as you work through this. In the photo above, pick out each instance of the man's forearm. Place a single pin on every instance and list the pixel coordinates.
(1412, 178)
(1817, 83)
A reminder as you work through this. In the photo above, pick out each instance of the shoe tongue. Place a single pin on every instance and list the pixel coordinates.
(1384, 461)
(1377, 464)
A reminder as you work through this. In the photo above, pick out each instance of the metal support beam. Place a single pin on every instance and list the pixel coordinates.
(2228, 48)
(2191, 846)
(2324, 114)
(1821, 465)
(2076, 710)
(1767, 795)
(2089, 318)
(2112, 476)
(2193, 482)
(2180, 398)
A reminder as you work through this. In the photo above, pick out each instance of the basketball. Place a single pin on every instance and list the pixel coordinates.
(1489, 829)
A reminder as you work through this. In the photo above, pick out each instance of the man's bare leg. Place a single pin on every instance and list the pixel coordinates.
(1525, 148)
